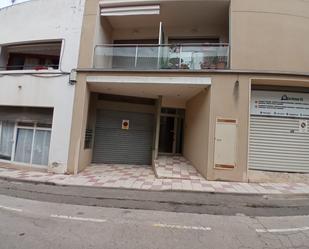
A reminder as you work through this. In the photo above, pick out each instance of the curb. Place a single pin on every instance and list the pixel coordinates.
(48, 183)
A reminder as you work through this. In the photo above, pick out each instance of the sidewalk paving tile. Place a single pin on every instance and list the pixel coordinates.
(143, 177)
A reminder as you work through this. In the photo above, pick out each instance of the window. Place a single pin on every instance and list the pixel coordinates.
(37, 56)
(25, 134)
(6, 139)
(32, 144)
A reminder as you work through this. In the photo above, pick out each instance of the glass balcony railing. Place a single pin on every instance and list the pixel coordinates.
(157, 57)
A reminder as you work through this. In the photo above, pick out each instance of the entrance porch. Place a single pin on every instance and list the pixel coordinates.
(143, 120)
(175, 167)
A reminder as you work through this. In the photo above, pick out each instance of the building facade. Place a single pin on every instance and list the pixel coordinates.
(222, 83)
(39, 46)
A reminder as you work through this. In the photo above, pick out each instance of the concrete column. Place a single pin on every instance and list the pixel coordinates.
(157, 128)
(79, 121)
(89, 32)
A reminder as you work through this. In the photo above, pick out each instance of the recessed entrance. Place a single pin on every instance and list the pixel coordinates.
(171, 131)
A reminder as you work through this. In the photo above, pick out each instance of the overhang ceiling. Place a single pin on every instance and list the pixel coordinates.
(175, 91)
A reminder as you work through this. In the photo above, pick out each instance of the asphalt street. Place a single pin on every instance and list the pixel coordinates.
(35, 224)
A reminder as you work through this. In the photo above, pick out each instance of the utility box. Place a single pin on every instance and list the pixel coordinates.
(225, 143)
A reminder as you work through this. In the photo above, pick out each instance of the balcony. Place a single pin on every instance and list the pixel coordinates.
(208, 56)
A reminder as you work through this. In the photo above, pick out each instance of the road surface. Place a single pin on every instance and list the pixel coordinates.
(35, 224)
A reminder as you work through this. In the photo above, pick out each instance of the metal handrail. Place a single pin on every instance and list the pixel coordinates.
(163, 45)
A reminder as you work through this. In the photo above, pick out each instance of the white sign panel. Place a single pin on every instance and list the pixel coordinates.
(280, 104)
(125, 124)
(303, 126)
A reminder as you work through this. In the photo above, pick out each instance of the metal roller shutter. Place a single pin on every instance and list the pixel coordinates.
(112, 144)
(276, 144)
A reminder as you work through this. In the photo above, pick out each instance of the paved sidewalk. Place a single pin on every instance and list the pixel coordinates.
(143, 178)
(175, 167)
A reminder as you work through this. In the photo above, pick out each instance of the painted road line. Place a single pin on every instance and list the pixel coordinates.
(77, 218)
(182, 227)
(283, 230)
(11, 209)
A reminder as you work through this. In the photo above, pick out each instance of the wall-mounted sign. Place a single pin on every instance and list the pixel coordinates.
(303, 126)
(125, 124)
(280, 104)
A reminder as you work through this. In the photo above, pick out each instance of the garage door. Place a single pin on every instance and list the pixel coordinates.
(277, 144)
(279, 134)
(112, 144)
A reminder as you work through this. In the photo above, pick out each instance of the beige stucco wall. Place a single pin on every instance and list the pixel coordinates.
(97, 30)
(225, 98)
(270, 35)
(265, 35)
(231, 101)
(196, 131)
(90, 33)
(79, 157)
(173, 102)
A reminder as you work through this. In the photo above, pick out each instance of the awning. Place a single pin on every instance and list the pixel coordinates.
(131, 10)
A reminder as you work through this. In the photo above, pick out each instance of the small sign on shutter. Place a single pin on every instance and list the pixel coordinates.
(125, 124)
(303, 126)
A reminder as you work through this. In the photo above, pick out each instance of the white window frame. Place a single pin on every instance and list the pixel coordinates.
(34, 128)
(13, 144)
(22, 71)
(0, 129)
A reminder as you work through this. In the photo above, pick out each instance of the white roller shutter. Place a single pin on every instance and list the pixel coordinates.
(278, 144)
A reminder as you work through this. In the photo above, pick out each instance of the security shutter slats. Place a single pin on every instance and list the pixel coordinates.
(270, 158)
(140, 146)
(277, 136)
(279, 166)
(277, 133)
(276, 144)
(112, 144)
(273, 144)
(276, 147)
(278, 162)
(262, 152)
(282, 167)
